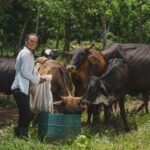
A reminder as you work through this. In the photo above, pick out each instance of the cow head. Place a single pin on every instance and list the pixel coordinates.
(50, 53)
(79, 56)
(96, 92)
(70, 105)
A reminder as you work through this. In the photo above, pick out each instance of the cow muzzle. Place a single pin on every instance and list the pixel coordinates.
(85, 102)
(71, 67)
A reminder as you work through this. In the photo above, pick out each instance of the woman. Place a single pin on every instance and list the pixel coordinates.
(25, 74)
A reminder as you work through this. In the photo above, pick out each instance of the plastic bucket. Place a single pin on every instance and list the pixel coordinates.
(58, 126)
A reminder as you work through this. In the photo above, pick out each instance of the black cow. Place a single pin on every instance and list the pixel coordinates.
(7, 74)
(110, 87)
(138, 58)
(50, 53)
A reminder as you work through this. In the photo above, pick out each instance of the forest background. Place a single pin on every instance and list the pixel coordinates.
(62, 22)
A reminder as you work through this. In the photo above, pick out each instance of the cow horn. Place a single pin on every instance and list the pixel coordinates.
(57, 102)
(72, 46)
(80, 98)
(89, 47)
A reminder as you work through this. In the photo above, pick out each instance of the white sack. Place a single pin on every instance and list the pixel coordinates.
(41, 99)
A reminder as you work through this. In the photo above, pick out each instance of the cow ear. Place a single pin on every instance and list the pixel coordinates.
(73, 47)
(57, 103)
(79, 98)
(61, 97)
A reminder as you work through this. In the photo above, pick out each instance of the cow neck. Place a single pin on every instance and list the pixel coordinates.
(100, 58)
(41, 60)
(84, 71)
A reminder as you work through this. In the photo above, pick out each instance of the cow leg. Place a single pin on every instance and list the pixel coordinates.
(146, 99)
(145, 103)
(123, 114)
(107, 114)
(114, 105)
(96, 113)
(89, 112)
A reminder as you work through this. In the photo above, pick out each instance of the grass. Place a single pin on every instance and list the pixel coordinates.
(7, 101)
(92, 137)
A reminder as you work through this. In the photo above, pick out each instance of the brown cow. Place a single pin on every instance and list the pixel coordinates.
(61, 86)
(89, 62)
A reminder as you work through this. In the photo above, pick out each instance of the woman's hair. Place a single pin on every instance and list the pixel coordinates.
(30, 34)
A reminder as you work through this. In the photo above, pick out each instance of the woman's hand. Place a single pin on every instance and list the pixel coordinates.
(42, 80)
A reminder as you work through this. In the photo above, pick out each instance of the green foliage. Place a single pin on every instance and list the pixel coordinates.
(68, 20)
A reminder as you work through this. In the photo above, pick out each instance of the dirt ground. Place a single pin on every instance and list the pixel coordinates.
(7, 116)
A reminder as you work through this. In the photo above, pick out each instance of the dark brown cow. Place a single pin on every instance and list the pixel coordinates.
(61, 86)
(109, 87)
(86, 62)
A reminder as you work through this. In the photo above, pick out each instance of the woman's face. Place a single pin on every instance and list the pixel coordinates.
(31, 42)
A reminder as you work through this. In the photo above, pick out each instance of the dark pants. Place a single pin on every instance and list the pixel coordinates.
(22, 101)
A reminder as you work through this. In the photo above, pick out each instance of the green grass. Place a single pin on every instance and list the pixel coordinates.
(7, 101)
(91, 138)
(98, 137)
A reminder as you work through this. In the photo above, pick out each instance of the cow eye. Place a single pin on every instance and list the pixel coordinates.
(81, 56)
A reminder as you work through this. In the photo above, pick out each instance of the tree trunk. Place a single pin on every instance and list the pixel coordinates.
(104, 30)
(2, 51)
(67, 38)
(37, 21)
(57, 34)
(140, 24)
(21, 37)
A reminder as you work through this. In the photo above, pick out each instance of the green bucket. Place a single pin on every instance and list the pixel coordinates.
(58, 126)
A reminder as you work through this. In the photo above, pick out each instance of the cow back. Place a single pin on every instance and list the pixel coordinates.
(137, 57)
(7, 74)
(61, 81)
